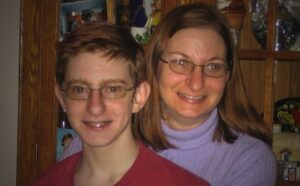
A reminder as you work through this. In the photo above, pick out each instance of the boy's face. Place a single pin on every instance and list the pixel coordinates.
(99, 119)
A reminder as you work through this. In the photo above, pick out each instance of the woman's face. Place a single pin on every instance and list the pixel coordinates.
(190, 98)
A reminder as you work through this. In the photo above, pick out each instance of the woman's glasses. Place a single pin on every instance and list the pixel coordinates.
(183, 66)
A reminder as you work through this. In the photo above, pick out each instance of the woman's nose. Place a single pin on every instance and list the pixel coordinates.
(196, 78)
(95, 103)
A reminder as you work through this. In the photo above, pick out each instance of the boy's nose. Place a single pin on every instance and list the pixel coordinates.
(95, 103)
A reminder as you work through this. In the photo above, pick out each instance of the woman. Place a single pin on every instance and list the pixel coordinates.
(198, 115)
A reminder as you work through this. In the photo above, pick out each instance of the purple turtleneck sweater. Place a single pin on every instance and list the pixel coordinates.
(246, 162)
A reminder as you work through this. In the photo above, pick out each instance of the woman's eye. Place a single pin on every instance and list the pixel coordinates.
(182, 62)
(214, 67)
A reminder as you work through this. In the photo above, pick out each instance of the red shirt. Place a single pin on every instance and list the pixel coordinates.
(149, 169)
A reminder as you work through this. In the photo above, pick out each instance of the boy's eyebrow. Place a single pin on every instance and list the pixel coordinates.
(115, 81)
(107, 81)
(76, 81)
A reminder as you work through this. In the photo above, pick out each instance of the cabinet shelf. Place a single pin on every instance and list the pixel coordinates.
(288, 183)
(263, 54)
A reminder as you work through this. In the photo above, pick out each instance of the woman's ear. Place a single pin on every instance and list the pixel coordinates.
(59, 96)
(141, 96)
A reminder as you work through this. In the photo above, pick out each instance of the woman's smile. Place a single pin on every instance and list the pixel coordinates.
(190, 97)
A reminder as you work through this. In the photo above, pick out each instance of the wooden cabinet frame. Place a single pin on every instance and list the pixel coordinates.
(37, 104)
(269, 57)
(38, 107)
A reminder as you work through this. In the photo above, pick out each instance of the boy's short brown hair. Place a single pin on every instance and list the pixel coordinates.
(113, 40)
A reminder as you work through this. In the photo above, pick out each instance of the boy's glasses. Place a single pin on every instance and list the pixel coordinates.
(183, 66)
(77, 91)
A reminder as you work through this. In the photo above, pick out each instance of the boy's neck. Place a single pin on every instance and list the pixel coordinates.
(106, 164)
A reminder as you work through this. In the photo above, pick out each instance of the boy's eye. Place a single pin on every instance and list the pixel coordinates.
(113, 92)
(112, 89)
(77, 89)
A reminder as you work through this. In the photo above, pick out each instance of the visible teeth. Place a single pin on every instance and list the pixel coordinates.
(100, 125)
(97, 125)
(191, 97)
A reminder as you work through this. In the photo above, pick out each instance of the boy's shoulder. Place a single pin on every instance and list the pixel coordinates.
(61, 173)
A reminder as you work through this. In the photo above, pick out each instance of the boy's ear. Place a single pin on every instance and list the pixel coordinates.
(59, 96)
(141, 96)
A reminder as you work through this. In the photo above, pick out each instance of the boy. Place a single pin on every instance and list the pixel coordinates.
(101, 84)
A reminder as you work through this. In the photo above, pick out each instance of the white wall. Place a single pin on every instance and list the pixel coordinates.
(9, 74)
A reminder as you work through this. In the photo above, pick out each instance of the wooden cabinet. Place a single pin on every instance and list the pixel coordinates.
(266, 73)
(269, 75)
(272, 73)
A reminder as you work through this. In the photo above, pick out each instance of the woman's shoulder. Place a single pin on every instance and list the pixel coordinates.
(248, 141)
(254, 159)
(253, 148)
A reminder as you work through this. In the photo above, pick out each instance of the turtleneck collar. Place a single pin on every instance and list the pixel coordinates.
(189, 139)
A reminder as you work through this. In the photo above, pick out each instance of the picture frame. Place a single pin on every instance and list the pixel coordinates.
(289, 171)
(77, 12)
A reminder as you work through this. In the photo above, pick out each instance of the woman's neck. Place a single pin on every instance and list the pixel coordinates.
(195, 137)
(180, 122)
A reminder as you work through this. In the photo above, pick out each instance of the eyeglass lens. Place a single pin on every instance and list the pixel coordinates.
(185, 66)
(81, 92)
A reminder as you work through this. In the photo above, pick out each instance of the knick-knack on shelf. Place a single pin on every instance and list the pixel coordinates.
(234, 11)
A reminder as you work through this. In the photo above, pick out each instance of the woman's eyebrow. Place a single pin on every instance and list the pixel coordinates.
(179, 53)
(217, 59)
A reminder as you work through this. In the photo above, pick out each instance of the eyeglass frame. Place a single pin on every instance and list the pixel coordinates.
(194, 65)
(98, 89)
